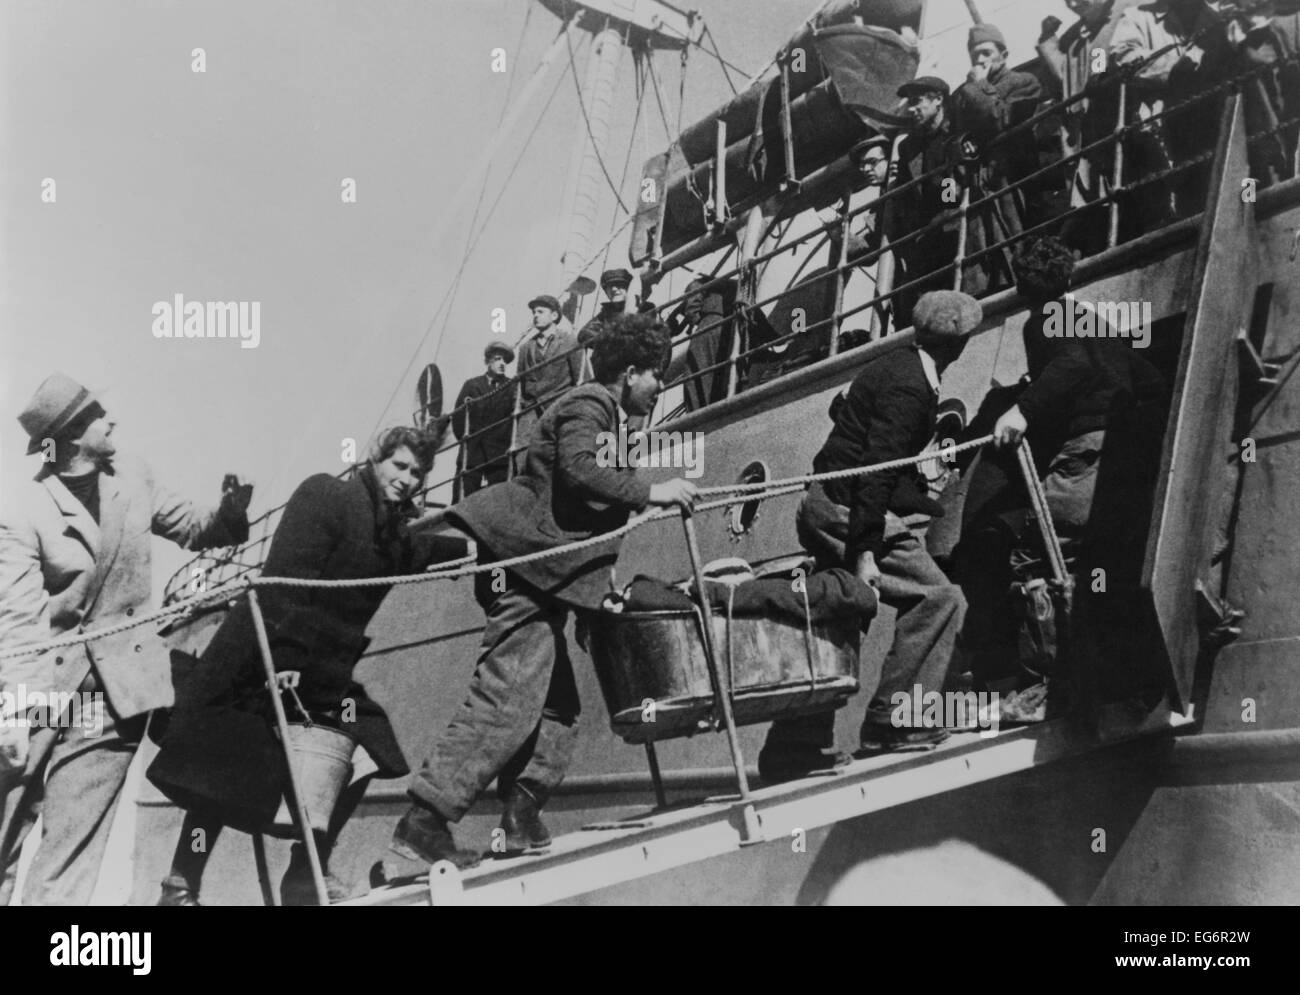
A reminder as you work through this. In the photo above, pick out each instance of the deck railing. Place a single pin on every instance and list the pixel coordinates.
(739, 327)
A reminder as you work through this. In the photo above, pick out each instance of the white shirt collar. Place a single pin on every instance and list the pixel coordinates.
(931, 371)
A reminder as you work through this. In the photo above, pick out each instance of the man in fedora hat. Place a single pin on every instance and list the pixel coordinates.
(75, 556)
(550, 362)
(481, 421)
(866, 524)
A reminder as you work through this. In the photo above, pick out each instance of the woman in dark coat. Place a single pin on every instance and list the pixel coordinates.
(220, 757)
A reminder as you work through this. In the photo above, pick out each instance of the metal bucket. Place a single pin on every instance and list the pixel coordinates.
(324, 763)
(655, 677)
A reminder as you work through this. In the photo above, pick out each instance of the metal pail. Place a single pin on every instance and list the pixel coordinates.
(774, 669)
(324, 761)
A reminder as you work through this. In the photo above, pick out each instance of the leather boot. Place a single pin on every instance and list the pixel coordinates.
(522, 823)
(423, 835)
(176, 893)
(297, 887)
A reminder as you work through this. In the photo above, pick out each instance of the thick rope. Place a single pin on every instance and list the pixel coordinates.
(465, 568)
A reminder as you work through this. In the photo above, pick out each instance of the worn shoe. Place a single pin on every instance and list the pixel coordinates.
(777, 767)
(175, 893)
(1025, 707)
(522, 824)
(424, 835)
(298, 888)
(876, 738)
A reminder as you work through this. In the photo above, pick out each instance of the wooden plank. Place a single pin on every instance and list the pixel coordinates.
(1187, 501)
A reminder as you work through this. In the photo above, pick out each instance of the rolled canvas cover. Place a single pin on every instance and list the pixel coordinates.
(843, 84)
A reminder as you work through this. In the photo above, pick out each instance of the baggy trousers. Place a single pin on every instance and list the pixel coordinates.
(519, 721)
(929, 608)
(74, 780)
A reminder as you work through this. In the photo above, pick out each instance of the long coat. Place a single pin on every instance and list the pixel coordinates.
(563, 495)
(219, 753)
(483, 410)
(53, 556)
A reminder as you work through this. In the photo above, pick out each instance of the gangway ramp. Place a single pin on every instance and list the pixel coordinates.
(607, 854)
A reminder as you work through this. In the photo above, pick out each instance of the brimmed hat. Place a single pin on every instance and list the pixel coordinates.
(616, 278)
(943, 314)
(981, 33)
(875, 141)
(924, 84)
(545, 300)
(498, 347)
(55, 405)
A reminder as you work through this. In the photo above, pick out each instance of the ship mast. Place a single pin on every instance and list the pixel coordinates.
(642, 25)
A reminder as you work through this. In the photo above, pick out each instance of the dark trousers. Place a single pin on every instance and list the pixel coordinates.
(483, 475)
(929, 615)
(999, 521)
(518, 722)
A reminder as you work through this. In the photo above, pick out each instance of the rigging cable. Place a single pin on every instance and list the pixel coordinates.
(482, 191)
(465, 260)
(721, 61)
(639, 77)
(587, 122)
(663, 115)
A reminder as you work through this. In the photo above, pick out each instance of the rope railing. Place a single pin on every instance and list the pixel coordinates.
(743, 314)
(758, 491)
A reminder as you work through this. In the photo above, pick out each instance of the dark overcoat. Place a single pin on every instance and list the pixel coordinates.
(219, 752)
(564, 494)
(483, 410)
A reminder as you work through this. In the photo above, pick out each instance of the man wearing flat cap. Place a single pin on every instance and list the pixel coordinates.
(929, 147)
(75, 556)
(992, 100)
(864, 523)
(550, 362)
(481, 421)
(615, 283)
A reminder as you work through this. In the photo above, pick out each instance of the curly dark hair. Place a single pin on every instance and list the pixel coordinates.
(1043, 267)
(422, 443)
(638, 340)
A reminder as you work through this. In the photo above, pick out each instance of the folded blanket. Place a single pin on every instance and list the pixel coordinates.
(830, 594)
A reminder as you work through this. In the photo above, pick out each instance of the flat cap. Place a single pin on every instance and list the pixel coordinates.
(545, 300)
(981, 33)
(874, 142)
(924, 84)
(942, 314)
(616, 278)
(499, 347)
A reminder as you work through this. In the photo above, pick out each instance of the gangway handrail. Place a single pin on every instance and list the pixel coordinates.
(744, 310)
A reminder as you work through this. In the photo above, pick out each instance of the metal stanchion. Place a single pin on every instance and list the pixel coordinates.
(750, 832)
(282, 723)
(269, 897)
(656, 778)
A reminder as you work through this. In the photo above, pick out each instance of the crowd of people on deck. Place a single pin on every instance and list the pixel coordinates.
(74, 548)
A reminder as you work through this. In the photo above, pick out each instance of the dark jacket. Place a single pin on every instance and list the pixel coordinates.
(986, 109)
(542, 377)
(887, 414)
(1077, 383)
(219, 752)
(562, 496)
(488, 419)
(918, 154)
(607, 312)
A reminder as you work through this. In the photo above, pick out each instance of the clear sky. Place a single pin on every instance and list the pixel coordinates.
(225, 185)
